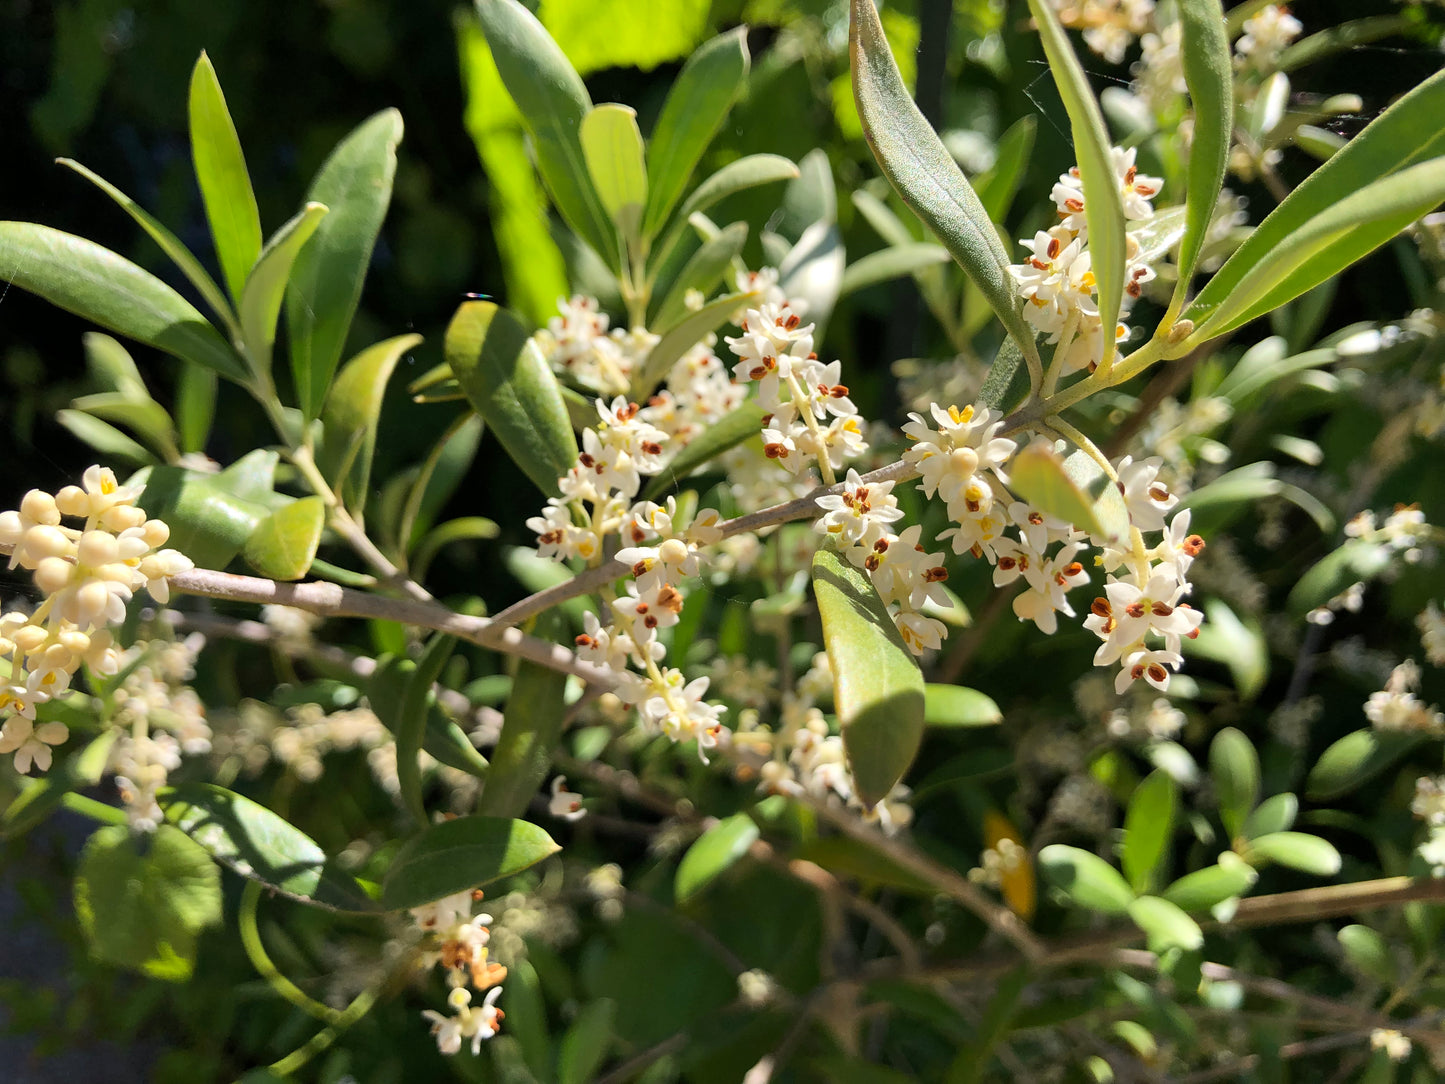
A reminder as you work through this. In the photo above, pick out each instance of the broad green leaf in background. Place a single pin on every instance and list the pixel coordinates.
(1234, 767)
(1148, 829)
(926, 175)
(703, 271)
(531, 727)
(890, 263)
(1356, 561)
(351, 415)
(1297, 850)
(260, 302)
(877, 686)
(695, 109)
(682, 337)
(111, 364)
(717, 849)
(996, 188)
(599, 34)
(412, 722)
(1212, 885)
(1369, 954)
(511, 386)
(461, 529)
(532, 265)
(195, 407)
(727, 432)
(443, 738)
(325, 283)
(101, 286)
(225, 184)
(956, 706)
(209, 521)
(1275, 814)
(1165, 924)
(612, 146)
(552, 101)
(262, 845)
(42, 797)
(143, 899)
(104, 437)
(1208, 64)
(457, 855)
(1356, 758)
(737, 176)
(1085, 878)
(283, 545)
(440, 475)
(1103, 204)
(586, 1043)
(1406, 133)
(169, 243)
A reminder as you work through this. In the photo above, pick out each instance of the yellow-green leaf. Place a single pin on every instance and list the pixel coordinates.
(283, 544)
(225, 184)
(351, 415)
(612, 145)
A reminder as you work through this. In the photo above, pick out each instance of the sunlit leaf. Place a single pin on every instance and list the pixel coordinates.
(1357, 758)
(1297, 850)
(1148, 829)
(260, 301)
(1208, 63)
(612, 146)
(1207, 888)
(956, 706)
(531, 727)
(1234, 767)
(511, 386)
(221, 172)
(283, 545)
(1085, 878)
(1165, 924)
(325, 283)
(351, 415)
(716, 850)
(877, 686)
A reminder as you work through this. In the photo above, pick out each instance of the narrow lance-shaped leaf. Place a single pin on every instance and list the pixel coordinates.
(1409, 131)
(325, 283)
(695, 108)
(101, 286)
(877, 687)
(890, 263)
(926, 175)
(702, 272)
(1323, 246)
(511, 386)
(681, 338)
(1209, 74)
(351, 415)
(1148, 826)
(457, 855)
(169, 243)
(1103, 204)
(552, 101)
(266, 286)
(412, 723)
(531, 727)
(225, 184)
(1234, 767)
(612, 145)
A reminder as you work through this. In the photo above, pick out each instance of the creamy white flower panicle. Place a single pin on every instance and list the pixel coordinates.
(457, 940)
(1265, 37)
(86, 575)
(1109, 26)
(1057, 280)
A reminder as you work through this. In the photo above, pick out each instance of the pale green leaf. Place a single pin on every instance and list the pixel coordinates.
(260, 303)
(225, 184)
(956, 706)
(877, 687)
(531, 727)
(715, 851)
(1085, 878)
(1165, 924)
(351, 415)
(890, 263)
(1234, 767)
(1208, 64)
(612, 146)
(1297, 850)
(682, 337)
(1148, 827)
(283, 545)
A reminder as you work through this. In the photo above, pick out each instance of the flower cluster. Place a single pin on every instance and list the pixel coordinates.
(1265, 36)
(810, 418)
(1396, 707)
(1109, 26)
(85, 575)
(160, 718)
(1057, 280)
(1141, 617)
(459, 944)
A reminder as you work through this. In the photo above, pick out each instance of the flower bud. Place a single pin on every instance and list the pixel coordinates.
(41, 542)
(96, 548)
(52, 574)
(73, 501)
(39, 507)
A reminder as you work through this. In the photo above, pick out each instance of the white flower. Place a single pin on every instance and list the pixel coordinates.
(30, 743)
(1146, 497)
(1265, 36)
(565, 804)
(860, 513)
(1151, 665)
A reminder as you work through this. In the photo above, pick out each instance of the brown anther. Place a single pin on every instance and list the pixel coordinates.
(628, 412)
(1137, 672)
(1158, 492)
(656, 400)
(1100, 608)
(1074, 204)
(550, 538)
(792, 321)
(757, 372)
(872, 561)
(651, 447)
(583, 640)
(1008, 564)
(775, 451)
(1133, 289)
(640, 569)
(1160, 609)
(1158, 673)
(670, 598)
(767, 420)
(1135, 610)
(881, 546)
(838, 391)
(1038, 263)
(586, 460)
(1130, 174)
(650, 621)
(1073, 568)
(936, 574)
(1054, 248)
(1193, 546)
(642, 608)
(1036, 517)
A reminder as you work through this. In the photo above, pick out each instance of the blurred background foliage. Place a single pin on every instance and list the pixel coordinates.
(103, 82)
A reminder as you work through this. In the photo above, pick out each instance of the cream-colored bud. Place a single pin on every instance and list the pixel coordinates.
(30, 638)
(75, 641)
(122, 517)
(92, 600)
(73, 501)
(41, 542)
(673, 551)
(53, 574)
(96, 548)
(11, 527)
(156, 533)
(39, 507)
